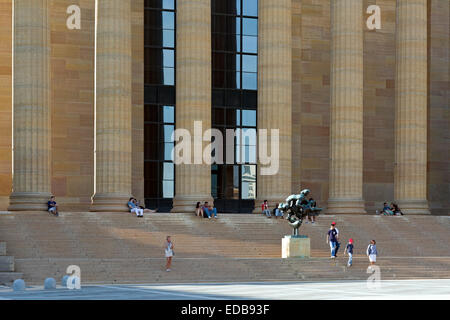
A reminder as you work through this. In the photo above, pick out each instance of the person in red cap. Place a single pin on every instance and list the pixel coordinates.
(338, 244)
(349, 250)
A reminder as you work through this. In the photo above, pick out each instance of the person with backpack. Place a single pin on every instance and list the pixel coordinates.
(372, 252)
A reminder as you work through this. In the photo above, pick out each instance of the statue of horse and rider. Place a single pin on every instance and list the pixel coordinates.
(297, 207)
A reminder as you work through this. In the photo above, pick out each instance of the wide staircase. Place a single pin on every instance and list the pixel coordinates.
(120, 248)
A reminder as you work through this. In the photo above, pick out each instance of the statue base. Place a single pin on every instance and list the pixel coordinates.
(295, 247)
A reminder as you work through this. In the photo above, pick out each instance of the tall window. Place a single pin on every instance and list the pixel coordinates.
(159, 100)
(234, 100)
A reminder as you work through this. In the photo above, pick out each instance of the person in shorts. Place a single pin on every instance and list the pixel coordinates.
(168, 252)
(372, 252)
(52, 206)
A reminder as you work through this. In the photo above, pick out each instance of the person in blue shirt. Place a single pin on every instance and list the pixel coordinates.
(387, 210)
(332, 238)
(349, 250)
(52, 206)
(209, 210)
(134, 208)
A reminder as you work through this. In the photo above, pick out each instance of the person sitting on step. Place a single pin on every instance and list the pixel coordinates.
(52, 206)
(277, 212)
(199, 210)
(265, 209)
(209, 210)
(387, 210)
(134, 208)
(395, 209)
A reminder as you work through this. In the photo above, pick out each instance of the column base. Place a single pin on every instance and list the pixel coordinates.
(109, 202)
(346, 206)
(29, 201)
(186, 204)
(414, 207)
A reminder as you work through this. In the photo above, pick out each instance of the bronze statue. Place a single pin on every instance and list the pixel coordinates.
(297, 207)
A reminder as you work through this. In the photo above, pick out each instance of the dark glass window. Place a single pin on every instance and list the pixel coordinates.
(159, 102)
(234, 100)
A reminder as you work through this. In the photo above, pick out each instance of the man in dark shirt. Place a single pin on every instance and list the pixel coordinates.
(52, 206)
(332, 238)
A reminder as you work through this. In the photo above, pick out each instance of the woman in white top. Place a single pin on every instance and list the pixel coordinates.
(168, 249)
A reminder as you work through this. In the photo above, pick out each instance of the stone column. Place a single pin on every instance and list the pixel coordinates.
(410, 178)
(193, 97)
(346, 136)
(113, 106)
(275, 95)
(31, 103)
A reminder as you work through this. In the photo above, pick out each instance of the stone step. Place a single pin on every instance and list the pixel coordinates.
(188, 270)
(6, 264)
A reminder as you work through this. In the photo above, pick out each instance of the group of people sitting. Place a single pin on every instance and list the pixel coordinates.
(206, 210)
(392, 210)
(276, 212)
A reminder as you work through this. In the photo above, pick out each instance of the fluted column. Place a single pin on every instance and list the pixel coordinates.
(193, 97)
(410, 179)
(31, 113)
(113, 106)
(274, 95)
(346, 136)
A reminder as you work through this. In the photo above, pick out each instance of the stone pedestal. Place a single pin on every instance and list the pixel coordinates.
(295, 247)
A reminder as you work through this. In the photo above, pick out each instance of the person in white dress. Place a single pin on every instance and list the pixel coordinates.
(168, 250)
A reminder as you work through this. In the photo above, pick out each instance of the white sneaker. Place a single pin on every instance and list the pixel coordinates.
(209, 217)
(168, 270)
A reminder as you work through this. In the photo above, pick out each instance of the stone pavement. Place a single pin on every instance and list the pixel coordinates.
(343, 290)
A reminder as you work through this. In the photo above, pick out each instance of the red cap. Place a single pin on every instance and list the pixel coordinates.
(333, 223)
(351, 240)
